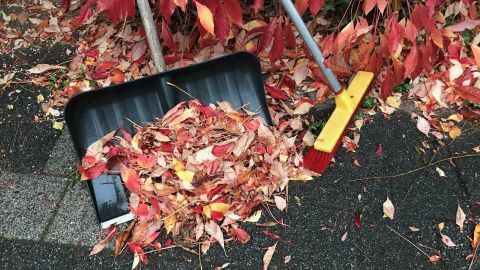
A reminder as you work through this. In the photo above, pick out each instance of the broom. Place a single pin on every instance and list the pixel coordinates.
(346, 100)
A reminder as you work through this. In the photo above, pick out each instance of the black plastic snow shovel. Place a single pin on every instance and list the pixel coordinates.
(235, 78)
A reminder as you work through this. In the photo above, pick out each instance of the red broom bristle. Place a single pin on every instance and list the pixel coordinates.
(317, 161)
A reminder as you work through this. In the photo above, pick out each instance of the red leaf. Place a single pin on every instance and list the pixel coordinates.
(252, 124)
(214, 191)
(118, 76)
(221, 150)
(205, 17)
(394, 35)
(222, 28)
(240, 235)
(142, 210)
(469, 93)
(398, 72)
(181, 3)
(167, 37)
(356, 163)
(233, 10)
(117, 10)
(327, 45)
(315, 6)
(387, 84)
(216, 216)
(357, 220)
(146, 161)
(301, 6)
(94, 171)
(167, 7)
(65, 5)
(418, 13)
(278, 45)
(368, 5)
(276, 93)
(85, 13)
(290, 36)
(257, 5)
(379, 150)
(411, 32)
(274, 236)
(130, 178)
(267, 36)
(411, 61)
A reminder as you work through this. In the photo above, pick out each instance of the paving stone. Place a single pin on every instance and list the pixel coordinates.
(63, 158)
(28, 203)
(75, 222)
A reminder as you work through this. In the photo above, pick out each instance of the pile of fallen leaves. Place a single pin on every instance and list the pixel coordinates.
(196, 174)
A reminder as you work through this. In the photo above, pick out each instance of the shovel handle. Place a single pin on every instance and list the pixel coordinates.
(311, 44)
(152, 36)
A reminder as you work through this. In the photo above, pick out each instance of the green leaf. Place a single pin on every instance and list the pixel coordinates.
(58, 125)
(467, 36)
(369, 103)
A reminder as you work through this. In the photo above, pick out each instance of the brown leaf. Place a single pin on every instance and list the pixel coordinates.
(460, 218)
(388, 208)
(41, 68)
(447, 241)
(268, 256)
(120, 241)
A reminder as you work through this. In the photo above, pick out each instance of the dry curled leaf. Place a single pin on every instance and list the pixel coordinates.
(447, 241)
(460, 218)
(388, 208)
(268, 256)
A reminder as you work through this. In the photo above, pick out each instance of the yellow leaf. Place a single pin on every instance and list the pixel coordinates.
(476, 236)
(178, 165)
(250, 46)
(58, 125)
(220, 207)
(40, 98)
(255, 217)
(186, 176)
(207, 211)
(392, 102)
(441, 226)
(456, 117)
(134, 143)
(10, 106)
(206, 18)
(455, 132)
(169, 223)
(476, 54)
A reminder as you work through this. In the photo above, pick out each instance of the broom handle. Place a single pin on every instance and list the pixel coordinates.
(152, 36)
(312, 46)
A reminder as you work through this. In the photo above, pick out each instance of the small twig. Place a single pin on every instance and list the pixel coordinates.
(183, 91)
(133, 123)
(473, 258)
(178, 210)
(417, 169)
(404, 238)
(200, 256)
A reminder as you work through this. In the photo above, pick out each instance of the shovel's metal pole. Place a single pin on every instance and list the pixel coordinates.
(312, 46)
(152, 36)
